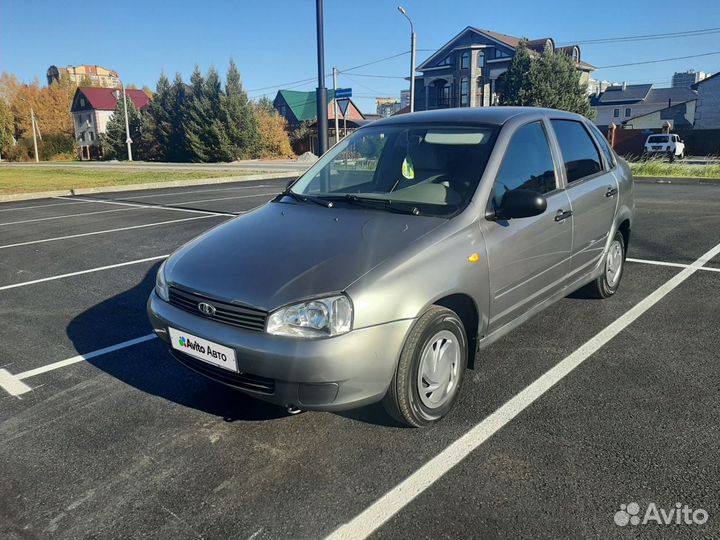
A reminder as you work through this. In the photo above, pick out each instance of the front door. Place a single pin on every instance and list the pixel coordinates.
(529, 257)
(592, 189)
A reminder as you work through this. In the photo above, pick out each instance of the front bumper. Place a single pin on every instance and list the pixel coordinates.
(334, 373)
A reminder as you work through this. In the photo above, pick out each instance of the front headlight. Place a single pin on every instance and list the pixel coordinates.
(319, 317)
(161, 286)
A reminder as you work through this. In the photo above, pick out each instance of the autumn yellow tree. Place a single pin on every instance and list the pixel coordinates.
(275, 142)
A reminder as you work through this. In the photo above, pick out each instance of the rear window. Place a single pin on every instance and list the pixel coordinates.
(580, 155)
(658, 139)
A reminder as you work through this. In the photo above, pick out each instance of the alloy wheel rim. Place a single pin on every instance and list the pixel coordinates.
(613, 263)
(439, 370)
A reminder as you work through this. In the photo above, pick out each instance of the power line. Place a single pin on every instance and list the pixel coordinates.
(661, 60)
(301, 82)
(645, 37)
(375, 76)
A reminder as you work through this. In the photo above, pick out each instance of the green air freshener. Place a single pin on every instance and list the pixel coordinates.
(408, 171)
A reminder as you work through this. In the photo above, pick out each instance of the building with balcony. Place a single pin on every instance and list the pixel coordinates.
(95, 75)
(686, 79)
(465, 71)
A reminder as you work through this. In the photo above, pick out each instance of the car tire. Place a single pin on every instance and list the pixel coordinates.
(430, 370)
(613, 267)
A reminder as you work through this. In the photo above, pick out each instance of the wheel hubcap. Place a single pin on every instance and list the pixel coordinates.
(613, 263)
(439, 370)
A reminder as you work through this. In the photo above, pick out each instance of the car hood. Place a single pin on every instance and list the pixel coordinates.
(284, 252)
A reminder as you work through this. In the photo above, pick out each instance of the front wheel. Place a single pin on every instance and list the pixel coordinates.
(609, 281)
(430, 370)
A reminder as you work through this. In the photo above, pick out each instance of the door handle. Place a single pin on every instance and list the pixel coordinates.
(611, 191)
(562, 215)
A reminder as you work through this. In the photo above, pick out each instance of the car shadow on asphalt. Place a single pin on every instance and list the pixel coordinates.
(149, 367)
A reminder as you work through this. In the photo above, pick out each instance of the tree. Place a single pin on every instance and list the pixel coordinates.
(205, 133)
(114, 142)
(160, 112)
(274, 140)
(238, 118)
(550, 80)
(7, 123)
(515, 81)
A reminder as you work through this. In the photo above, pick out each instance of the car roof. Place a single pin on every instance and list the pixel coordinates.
(472, 115)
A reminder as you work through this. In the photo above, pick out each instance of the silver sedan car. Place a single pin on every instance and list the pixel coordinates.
(408, 247)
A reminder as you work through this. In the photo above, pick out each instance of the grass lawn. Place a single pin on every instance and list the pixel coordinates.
(17, 180)
(665, 169)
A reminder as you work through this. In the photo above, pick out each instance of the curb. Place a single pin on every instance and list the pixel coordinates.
(149, 185)
(682, 181)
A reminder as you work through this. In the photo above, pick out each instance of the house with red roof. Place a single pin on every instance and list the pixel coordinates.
(92, 108)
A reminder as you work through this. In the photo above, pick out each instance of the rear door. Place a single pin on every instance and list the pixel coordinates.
(593, 191)
(528, 258)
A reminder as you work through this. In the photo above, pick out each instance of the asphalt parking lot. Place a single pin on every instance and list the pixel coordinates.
(125, 443)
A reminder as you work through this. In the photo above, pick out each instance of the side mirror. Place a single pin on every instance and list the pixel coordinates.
(520, 203)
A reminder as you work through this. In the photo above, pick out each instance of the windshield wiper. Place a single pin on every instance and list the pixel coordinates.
(307, 198)
(388, 203)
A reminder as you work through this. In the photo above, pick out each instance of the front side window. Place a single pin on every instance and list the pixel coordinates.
(465, 60)
(464, 92)
(430, 170)
(527, 164)
(580, 156)
(481, 59)
(627, 112)
(616, 113)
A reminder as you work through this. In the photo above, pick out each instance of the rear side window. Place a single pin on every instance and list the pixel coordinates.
(580, 154)
(527, 164)
(604, 146)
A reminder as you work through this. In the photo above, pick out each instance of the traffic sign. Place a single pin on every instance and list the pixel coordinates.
(342, 93)
(343, 105)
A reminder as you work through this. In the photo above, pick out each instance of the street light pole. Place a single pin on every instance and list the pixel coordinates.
(32, 121)
(321, 92)
(413, 45)
(335, 107)
(128, 140)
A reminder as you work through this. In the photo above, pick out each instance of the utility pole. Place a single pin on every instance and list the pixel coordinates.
(128, 140)
(335, 107)
(412, 58)
(321, 91)
(32, 121)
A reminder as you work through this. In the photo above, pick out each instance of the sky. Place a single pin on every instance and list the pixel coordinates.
(273, 41)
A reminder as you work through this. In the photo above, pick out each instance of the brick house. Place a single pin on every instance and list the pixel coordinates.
(92, 108)
(298, 107)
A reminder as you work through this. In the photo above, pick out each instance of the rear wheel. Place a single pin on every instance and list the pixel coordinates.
(609, 281)
(430, 370)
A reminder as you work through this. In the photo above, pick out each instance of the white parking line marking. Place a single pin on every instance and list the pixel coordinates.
(196, 191)
(66, 216)
(81, 272)
(378, 513)
(38, 206)
(157, 207)
(13, 383)
(674, 265)
(155, 224)
(225, 198)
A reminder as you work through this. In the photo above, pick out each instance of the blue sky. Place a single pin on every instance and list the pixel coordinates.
(273, 41)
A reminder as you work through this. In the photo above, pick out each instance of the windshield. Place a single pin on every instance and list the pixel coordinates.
(430, 170)
(658, 139)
